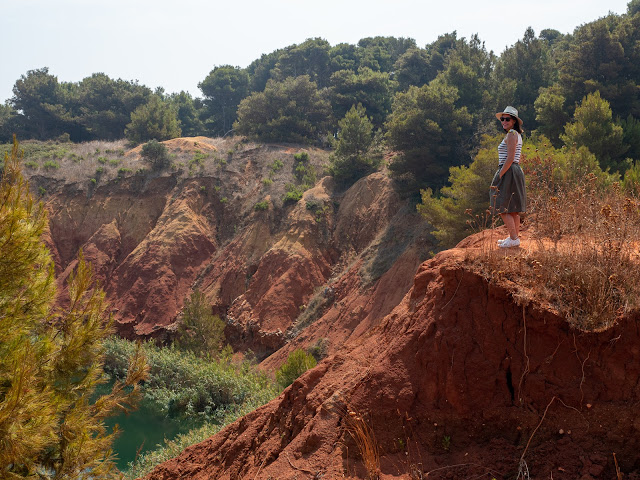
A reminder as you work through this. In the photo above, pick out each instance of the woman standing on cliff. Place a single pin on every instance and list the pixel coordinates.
(508, 196)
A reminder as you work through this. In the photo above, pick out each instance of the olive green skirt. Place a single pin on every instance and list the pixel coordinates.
(508, 194)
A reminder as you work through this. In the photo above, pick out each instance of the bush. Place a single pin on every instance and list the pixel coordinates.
(156, 154)
(183, 385)
(276, 165)
(260, 206)
(51, 164)
(294, 193)
(155, 119)
(200, 331)
(297, 363)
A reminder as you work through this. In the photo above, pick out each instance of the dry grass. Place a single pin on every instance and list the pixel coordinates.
(365, 439)
(360, 431)
(583, 257)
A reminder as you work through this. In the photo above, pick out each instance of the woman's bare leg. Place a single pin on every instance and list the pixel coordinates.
(509, 222)
(516, 222)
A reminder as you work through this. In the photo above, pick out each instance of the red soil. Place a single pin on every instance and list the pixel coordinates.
(458, 381)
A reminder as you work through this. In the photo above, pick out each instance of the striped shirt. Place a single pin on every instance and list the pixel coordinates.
(502, 150)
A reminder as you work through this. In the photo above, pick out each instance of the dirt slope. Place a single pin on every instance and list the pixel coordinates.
(458, 381)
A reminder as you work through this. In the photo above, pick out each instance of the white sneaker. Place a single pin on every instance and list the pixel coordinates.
(509, 242)
(503, 240)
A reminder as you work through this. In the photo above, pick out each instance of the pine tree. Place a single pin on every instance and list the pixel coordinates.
(51, 423)
(353, 157)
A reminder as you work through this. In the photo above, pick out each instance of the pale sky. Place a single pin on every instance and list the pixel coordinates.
(176, 44)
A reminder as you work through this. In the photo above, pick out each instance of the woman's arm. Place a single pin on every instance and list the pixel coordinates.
(512, 141)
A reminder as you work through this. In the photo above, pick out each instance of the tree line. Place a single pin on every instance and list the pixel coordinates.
(430, 103)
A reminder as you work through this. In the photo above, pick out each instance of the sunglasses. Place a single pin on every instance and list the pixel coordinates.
(506, 119)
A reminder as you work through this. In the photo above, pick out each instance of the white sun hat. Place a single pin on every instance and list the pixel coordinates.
(510, 111)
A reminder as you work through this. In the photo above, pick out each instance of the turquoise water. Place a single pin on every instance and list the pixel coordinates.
(140, 431)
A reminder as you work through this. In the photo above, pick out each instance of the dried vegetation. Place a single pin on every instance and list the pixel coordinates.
(583, 257)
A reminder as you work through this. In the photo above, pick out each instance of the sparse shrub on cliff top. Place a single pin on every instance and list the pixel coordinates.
(261, 206)
(156, 154)
(297, 363)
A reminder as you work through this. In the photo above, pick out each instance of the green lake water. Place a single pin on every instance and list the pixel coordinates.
(140, 431)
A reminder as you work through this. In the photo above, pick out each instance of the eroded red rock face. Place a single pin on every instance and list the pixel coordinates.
(458, 381)
(154, 238)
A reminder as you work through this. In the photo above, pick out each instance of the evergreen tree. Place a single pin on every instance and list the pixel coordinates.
(188, 111)
(597, 61)
(39, 98)
(631, 136)
(527, 63)
(343, 57)
(413, 68)
(288, 111)
(353, 158)
(380, 53)
(9, 122)
(157, 120)
(374, 90)
(103, 106)
(309, 58)
(550, 114)
(51, 423)
(430, 133)
(200, 331)
(223, 89)
(593, 127)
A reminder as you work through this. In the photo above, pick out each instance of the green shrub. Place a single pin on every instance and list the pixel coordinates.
(156, 154)
(75, 157)
(103, 160)
(114, 162)
(51, 164)
(200, 331)
(301, 157)
(294, 193)
(267, 182)
(183, 385)
(123, 171)
(631, 182)
(276, 165)
(264, 205)
(31, 164)
(297, 363)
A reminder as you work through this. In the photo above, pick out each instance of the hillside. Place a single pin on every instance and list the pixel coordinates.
(218, 222)
(458, 381)
(447, 373)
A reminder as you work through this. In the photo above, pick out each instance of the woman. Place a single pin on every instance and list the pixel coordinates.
(508, 196)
